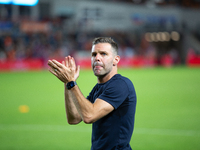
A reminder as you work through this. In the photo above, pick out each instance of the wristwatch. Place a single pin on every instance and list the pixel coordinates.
(71, 84)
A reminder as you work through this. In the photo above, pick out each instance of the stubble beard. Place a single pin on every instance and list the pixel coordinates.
(101, 73)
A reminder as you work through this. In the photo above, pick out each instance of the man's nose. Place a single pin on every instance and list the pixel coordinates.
(97, 57)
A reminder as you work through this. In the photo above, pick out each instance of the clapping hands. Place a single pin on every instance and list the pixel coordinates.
(66, 71)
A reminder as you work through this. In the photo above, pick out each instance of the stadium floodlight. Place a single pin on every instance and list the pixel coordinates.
(25, 2)
(5, 1)
(20, 2)
(175, 36)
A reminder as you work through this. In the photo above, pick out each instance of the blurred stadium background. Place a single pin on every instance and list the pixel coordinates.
(159, 45)
(149, 32)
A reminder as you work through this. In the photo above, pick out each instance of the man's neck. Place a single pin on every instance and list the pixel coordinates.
(105, 78)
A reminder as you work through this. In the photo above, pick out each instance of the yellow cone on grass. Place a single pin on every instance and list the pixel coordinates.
(24, 109)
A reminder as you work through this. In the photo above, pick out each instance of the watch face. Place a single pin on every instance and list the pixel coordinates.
(71, 84)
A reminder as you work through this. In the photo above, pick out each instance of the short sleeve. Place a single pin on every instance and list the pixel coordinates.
(115, 93)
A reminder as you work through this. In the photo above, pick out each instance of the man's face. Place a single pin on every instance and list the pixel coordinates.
(102, 59)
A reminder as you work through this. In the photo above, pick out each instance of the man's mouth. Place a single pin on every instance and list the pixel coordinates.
(97, 66)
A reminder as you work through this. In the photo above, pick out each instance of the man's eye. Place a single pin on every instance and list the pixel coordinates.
(94, 55)
(103, 54)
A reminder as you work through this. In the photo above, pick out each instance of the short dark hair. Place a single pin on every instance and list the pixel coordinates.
(106, 40)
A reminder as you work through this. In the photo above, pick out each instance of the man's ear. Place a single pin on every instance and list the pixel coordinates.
(116, 60)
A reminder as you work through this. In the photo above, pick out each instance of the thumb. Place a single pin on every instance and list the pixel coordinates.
(78, 68)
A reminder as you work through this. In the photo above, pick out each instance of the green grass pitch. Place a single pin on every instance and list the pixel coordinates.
(167, 114)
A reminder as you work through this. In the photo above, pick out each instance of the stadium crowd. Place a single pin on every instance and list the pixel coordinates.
(16, 44)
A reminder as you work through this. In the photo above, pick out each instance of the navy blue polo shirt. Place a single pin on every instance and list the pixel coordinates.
(114, 131)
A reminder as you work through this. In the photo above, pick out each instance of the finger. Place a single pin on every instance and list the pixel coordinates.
(74, 61)
(66, 62)
(51, 65)
(78, 69)
(57, 75)
(52, 71)
(57, 63)
(73, 65)
(69, 61)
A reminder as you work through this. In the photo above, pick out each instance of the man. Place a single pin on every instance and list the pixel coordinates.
(110, 105)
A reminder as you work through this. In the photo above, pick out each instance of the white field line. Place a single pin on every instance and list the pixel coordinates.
(39, 127)
(77, 128)
(173, 132)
